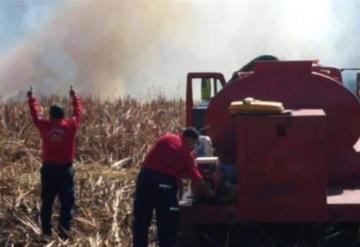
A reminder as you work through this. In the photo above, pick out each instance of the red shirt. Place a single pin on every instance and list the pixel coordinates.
(171, 155)
(58, 135)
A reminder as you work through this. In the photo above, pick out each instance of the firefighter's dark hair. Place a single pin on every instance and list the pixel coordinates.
(191, 132)
(56, 112)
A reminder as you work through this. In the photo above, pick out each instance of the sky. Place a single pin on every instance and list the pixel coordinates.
(22, 17)
(141, 47)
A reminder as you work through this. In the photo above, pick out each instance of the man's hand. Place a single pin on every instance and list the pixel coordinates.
(72, 92)
(30, 92)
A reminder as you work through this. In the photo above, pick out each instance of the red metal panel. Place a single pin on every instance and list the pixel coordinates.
(282, 173)
(298, 87)
(329, 71)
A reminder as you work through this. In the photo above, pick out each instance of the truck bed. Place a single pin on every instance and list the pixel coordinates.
(344, 207)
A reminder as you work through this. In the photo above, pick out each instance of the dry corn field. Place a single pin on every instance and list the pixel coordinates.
(111, 143)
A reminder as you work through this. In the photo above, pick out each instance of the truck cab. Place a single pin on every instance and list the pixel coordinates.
(200, 89)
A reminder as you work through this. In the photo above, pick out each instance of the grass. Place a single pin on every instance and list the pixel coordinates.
(113, 138)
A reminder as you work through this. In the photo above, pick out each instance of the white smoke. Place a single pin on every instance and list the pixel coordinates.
(111, 48)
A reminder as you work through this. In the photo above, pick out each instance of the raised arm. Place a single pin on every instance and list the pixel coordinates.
(35, 108)
(77, 106)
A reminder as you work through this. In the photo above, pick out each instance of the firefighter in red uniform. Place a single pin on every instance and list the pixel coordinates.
(58, 149)
(169, 160)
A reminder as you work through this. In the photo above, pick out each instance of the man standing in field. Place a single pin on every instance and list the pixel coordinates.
(58, 150)
(169, 160)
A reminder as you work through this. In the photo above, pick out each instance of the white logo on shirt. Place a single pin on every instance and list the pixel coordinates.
(56, 135)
